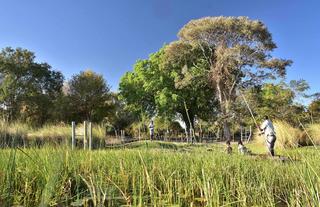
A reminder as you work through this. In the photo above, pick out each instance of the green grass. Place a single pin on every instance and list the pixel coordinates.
(50, 134)
(158, 174)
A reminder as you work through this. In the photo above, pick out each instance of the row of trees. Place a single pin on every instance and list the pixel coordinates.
(199, 80)
(32, 92)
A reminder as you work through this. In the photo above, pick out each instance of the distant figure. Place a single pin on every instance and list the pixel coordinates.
(242, 149)
(151, 129)
(229, 148)
(267, 129)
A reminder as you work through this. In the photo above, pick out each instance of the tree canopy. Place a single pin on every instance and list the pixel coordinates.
(88, 93)
(155, 86)
(237, 53)
(199, 79)
(27, 88)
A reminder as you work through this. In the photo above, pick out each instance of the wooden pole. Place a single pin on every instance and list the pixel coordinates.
(252, 116)
(250, 134)
(73, 135)
(90, 135)
(245, 134)
(241, 131)
(85, 133)
(139, 135)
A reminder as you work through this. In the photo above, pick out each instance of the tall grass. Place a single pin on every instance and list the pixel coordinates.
(314, 132)
(287, 136)
(13, 133)
(155, 176)
(51, 134)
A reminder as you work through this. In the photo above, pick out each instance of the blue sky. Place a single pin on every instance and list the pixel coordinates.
(108, 36)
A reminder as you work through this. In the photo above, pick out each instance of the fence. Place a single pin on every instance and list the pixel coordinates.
(86, 136)
(245, 135)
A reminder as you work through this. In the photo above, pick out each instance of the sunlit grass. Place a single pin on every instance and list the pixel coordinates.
(314, 133)
(158, 174)
(50, 134)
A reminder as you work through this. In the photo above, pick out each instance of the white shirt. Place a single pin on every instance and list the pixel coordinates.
(151, 127)
(267, 128)
(242, 149)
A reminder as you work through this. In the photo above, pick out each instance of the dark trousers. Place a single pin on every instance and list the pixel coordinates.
(271, 139)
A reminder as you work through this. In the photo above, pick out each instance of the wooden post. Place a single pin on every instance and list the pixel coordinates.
(90, 135)
(139, 135)
(85, 133)
(241, 131)
(245, 134)
(250, 134)
(73, 134)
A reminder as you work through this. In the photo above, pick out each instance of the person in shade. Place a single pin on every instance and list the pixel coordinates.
(229, 148)
(151, 130)
(243, 149)
(267, 129)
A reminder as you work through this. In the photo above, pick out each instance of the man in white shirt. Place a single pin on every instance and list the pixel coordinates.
(151, 128)
(267, 129)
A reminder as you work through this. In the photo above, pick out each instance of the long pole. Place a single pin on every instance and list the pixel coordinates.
(252, 116)
(90, 135)
(85, 134)
(73, 135)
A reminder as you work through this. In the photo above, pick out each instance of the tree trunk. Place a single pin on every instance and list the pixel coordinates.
(189, 122)
(226, 131)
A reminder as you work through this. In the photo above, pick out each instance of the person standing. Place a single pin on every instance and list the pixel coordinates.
(267, 129)
(151, 130)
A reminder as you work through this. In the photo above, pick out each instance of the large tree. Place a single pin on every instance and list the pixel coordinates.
(118, 117)
(237, 53)
(155, 86)
(88, 93)
(27, 88)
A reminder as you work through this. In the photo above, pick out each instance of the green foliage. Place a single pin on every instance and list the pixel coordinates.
(154, 86)
(88, 94)
(28, 89)
(118, 117)
(278, 101)
(237, 52)
(314, 110)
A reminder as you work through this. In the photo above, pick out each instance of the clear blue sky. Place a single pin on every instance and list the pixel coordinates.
(108, 36)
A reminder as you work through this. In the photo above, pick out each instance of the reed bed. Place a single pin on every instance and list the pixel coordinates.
(157, 174)
(21, 134)
(313, 131)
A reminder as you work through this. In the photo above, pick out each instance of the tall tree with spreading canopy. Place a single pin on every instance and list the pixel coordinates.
(27, 88)
(237, 52)
(159, 87)
(89, 93)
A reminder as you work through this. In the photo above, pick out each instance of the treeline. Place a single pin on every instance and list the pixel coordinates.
(207, 75)
(35, 93)
(202, 80)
